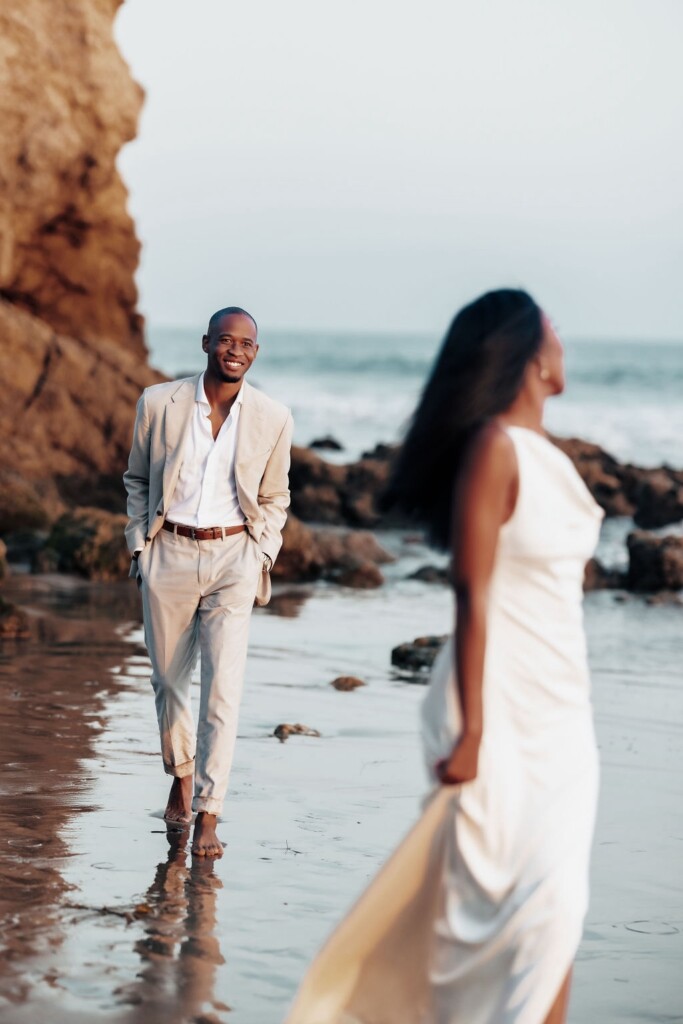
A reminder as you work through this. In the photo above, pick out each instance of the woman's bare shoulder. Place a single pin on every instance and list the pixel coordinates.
(491, 451)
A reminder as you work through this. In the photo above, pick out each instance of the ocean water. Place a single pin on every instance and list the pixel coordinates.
(361, 389)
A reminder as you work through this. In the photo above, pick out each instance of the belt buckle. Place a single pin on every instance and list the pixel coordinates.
(192, 534)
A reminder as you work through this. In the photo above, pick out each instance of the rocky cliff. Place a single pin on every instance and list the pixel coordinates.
(72, 355)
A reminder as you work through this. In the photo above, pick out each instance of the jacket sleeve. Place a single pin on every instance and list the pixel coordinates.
(136, 480)
(273, 496)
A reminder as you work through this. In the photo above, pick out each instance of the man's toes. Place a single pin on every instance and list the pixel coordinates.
(177, 817)
(207, 850)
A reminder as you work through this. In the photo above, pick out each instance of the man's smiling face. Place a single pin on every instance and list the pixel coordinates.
(231, 347)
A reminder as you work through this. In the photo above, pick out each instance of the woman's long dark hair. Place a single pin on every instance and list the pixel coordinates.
(477, 375)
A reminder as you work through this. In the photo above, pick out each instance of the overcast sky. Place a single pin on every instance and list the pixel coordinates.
(373, 164)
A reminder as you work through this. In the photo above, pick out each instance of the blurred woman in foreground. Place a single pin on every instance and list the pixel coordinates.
(477, 916)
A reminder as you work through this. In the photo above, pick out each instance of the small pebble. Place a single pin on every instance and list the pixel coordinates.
(346, 683)
(285, 730)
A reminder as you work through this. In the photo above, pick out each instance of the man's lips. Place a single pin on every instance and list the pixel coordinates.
(232, 364)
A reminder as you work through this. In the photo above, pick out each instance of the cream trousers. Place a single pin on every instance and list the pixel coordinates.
(197, 597)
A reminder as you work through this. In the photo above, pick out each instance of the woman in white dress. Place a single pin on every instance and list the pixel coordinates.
(477, 916)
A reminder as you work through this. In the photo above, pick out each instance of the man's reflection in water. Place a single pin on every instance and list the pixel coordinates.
(180, 951)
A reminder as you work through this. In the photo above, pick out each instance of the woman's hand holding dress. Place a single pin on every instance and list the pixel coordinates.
(461, 766)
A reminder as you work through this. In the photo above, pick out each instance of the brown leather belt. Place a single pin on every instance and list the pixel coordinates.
(202, 533)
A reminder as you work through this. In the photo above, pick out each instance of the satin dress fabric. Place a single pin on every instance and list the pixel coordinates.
(477, 916)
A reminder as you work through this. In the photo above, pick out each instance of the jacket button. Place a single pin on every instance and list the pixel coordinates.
(160, 512)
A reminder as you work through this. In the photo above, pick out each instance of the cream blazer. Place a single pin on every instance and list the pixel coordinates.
(262, 460)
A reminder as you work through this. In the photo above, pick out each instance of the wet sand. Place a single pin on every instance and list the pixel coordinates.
(105, 915)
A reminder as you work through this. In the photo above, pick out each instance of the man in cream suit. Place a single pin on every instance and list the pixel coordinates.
(208, 490)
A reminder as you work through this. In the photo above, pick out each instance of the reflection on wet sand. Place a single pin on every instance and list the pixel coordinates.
(106, 918)
(179, 950)
(59, 749)
(54, 687)
(287, 603)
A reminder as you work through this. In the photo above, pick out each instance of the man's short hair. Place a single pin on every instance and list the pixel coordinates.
(228, 311)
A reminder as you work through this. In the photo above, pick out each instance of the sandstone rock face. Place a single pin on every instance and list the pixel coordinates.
(72, 358)
(67, 410)
(67, 105)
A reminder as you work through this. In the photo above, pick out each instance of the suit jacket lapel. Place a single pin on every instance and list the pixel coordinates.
(178, 414)
(250, 427)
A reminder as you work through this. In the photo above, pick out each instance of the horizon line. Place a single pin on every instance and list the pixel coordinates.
(387, 333)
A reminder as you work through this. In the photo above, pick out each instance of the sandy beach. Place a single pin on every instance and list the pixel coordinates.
(107, 918)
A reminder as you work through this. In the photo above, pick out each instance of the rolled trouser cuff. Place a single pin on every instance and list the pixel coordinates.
(207, 804)
(179, 771)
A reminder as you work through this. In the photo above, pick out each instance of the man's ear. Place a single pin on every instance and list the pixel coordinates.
(205, 342)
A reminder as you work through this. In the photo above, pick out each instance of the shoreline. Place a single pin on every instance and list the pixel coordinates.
(335, 518)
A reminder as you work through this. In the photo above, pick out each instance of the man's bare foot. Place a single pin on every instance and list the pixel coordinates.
(179, 806)
(205, 842)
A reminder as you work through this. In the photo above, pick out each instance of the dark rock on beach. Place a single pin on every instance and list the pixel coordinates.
(418, 656)
(310, 554)
(349, 494)
(382, 452)
(337, 495)
(431, 574)
(602, 474)
(87, 541)
(326, 444)
(655, 563)
(21, 505)
(13, 622)
(653, 497)
(347, 683)
(598, 577)
(362, 576)
(90, 542)
(285, 730)
(659, 497)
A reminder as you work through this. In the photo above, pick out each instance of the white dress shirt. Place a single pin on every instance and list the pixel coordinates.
(206, 492)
